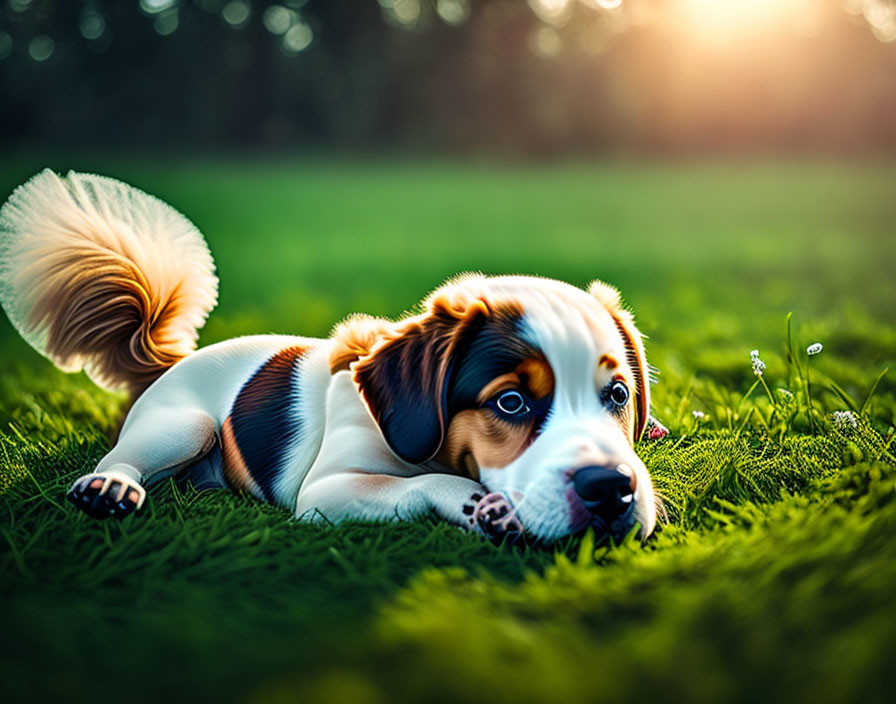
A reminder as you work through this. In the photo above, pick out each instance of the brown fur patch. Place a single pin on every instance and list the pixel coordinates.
(364, 482)
(354, 338)
(532, 375)
(98, 305)
(458, 303)
(477, 438)
(536, 376)
(235, 470)
(505, 381)
(608, 361)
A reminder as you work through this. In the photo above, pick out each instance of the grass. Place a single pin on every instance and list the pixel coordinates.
(772, 578)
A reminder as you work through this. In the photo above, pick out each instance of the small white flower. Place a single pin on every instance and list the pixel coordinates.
(758, 364)
(699, 414)
(845, 420)
(786, 393)
(814, 348)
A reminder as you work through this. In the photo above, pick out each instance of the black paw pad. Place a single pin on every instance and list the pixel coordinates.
(84, 498)
(96, 503)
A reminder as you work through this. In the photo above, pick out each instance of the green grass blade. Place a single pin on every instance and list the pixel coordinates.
(873, 389)
(845, 397)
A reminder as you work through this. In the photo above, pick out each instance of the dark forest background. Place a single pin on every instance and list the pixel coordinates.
(538, 78)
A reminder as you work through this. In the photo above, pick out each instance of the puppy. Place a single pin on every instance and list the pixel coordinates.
(509, 406)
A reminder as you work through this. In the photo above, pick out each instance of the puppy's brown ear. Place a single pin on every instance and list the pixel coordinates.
(634, 348)
(404, 379)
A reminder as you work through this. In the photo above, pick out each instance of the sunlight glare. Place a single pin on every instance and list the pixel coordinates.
(724, 21)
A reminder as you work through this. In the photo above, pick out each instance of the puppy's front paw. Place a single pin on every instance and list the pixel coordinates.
(494, 516)
(108, 494)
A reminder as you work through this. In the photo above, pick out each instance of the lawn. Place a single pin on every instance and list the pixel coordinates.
(773, 576)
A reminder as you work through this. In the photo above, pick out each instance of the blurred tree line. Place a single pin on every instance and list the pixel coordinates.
(536, 78)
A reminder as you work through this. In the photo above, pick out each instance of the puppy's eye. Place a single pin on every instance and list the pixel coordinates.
(511, 403)
(619, 393)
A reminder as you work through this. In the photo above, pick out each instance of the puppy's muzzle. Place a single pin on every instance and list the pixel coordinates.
(607, 492)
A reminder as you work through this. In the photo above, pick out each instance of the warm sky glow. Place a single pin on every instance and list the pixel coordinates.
(720, 23)
(725, 21)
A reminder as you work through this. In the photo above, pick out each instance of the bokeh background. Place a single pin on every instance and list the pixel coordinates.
(723, 162)
(538, 79)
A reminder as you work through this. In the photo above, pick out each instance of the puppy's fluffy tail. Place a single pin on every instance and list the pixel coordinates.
(98, 275)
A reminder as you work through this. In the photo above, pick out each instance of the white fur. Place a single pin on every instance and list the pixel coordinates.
(210, 378)
(352, 450)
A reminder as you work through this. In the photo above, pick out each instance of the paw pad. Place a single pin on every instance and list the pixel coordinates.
(495, 516)
(104, 495)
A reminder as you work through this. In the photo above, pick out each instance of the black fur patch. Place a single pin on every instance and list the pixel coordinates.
(496, 349)
(264, 417)
(400, 390)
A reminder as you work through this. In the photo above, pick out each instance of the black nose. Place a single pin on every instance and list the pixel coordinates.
(606, 492)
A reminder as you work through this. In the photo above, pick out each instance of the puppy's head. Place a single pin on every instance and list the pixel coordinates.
(531, 386)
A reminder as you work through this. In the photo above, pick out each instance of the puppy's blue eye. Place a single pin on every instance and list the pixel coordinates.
(619, 393)
(511, 403)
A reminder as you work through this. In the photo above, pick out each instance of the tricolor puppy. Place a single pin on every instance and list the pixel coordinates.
(508, 406)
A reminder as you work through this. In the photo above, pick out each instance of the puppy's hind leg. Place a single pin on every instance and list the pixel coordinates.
(155, 443)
